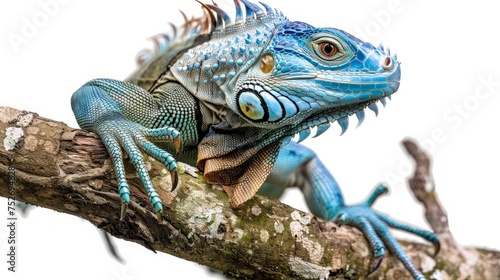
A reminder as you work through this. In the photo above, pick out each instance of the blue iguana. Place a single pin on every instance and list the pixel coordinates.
(229, 94)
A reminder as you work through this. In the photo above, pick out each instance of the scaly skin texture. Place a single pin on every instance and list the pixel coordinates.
(235, 92)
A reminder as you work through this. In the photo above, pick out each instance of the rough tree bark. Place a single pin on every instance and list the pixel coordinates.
(68, 170)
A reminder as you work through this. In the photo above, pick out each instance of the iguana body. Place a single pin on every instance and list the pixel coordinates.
(235, 93)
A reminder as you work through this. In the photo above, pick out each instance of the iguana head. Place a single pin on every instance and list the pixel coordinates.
(273, 72)
(311, 76)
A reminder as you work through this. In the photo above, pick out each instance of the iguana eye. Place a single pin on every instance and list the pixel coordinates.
(327, 49)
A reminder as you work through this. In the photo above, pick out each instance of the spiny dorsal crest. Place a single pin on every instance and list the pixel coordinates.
(214, 19)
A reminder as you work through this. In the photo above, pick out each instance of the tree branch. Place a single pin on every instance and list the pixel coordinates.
(68, 170)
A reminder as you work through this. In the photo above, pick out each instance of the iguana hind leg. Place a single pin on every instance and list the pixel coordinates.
(298, 166)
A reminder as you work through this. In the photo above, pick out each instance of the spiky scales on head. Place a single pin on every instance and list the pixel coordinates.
(214, 23)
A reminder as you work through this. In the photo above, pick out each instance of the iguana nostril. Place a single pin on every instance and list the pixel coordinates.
(386, 63)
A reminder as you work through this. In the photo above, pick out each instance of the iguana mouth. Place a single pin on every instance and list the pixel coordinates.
(340, 114)
(322, 120)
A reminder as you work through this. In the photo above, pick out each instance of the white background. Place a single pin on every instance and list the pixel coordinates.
(447, 49)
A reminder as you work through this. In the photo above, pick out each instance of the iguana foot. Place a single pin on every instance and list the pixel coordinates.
(117, 133)
(376, 226)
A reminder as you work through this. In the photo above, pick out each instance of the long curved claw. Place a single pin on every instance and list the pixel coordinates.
(437, 248)
(159, 217)
(175, 178)
(123, 211)
(376, 263)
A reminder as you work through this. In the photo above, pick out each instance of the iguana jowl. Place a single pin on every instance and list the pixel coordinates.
(236, 92)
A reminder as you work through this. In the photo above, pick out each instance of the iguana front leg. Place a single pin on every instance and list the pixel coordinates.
(126, 116)
(298, 166)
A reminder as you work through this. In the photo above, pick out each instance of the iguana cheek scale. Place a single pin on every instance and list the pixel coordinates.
(237, 91)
